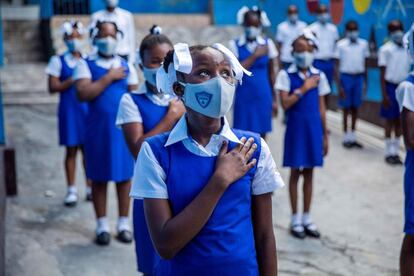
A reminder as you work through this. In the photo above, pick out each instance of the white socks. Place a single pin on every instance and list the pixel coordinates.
(392, 147)
(72, 189)
(297, 219)
(123, 224)
(350, 137)
(102, 225)
(88, 190)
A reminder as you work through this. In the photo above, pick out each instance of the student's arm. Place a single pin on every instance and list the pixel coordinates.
(171, 233)
(261, 50)
(407, 120)
(279, 49)
(56, 85)
(385, 99)
(290, 99)
(322, 111)
(89, 90)
(263, 234)
(272, 80)
(365, 85)
(338, 79)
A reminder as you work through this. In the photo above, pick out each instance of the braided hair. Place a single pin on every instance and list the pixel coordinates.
(95, 30)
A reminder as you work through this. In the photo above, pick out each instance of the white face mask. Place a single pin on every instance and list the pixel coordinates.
(397, 36)
(323, 17)
(293, 18)
(303, 60)
(111, 3)
(212, 98)
(352, 35)
(106, 46)
(74, 45)
(252, 32)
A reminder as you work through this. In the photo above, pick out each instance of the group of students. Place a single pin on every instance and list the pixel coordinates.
(201, 190)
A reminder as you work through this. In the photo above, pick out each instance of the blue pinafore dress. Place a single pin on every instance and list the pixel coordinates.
(106, 152)
(71, 112)
(225, 246)
(253, 103)
(304, 133)
(147, 257)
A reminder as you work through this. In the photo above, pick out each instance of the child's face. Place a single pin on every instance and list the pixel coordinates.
(301, 46)
(153, 57)
(107, 29)
(252, 20)
(207, 64)
(75, 35)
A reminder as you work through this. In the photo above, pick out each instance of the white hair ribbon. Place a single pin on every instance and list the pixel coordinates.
(165, 80)
(182, 58)
(240, 14)
(311, 37)
(264, 19)
(234, 62)
(408, 41)
(68, 27)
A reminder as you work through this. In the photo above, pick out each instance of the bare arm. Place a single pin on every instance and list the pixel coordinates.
(272, 81)
(322, 111)
(56, 85)
(290, 99)
(263, 234)
(407, 120)
(338, 79)
(279, 47)
(365, 85)
(171, 233)
(385, 100)
(261, 50)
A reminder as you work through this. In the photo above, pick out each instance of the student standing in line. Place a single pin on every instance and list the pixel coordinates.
(405, 97)
(101, 81)
(288, 31)
(71, 112)
(302, 89)
(142, 115)
(256, 99)
(206, 187)
(394, 63)
(351, 66)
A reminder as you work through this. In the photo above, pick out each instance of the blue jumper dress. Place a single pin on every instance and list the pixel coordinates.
(71, 112)
(304, 132)
(147, 257)
(225, 245)
(106, 152)
(253, 101)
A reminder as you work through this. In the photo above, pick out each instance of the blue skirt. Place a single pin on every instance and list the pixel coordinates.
(393, 111)
(409, 193)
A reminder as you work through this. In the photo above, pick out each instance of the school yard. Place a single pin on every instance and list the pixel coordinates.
(358, 205)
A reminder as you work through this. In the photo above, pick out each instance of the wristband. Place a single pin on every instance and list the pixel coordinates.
(298, 93)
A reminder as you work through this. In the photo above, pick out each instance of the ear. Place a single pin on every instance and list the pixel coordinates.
(178, 89)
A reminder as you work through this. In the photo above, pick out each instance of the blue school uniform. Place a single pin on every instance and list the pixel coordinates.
(253, 103)
(71, 112)
(225, 245)
(304, 132)
(106, 152)
(409, 192)
(392, 111)
(352, 85)
(147, 257)
(327, 67)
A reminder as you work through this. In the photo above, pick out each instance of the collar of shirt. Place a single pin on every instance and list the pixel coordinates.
(243, 40)
(180, 133)
(294, 69)
(107, 63)
(162, 99)
(71, 60)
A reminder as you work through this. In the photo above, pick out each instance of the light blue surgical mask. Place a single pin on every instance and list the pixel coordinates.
(303, 60)
(397, 37)
(323, 18)
(74, 45)
(212, 98)
(111, 3)
(293, 18)
(352, 35)
(106, 46)
(252, 32)
(150, 75)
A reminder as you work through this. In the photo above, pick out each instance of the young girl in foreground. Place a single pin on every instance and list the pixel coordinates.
(101, 81)
(207, 188)
(143, 115)
(302, 89)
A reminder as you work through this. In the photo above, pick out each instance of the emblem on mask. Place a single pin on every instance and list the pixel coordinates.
(203, 98)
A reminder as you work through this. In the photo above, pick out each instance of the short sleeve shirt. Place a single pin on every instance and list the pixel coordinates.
(352, 55)
(251, 46)
(396, 61)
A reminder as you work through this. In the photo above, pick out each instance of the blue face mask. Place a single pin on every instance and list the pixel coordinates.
(252, 32)
(74, 45)
(303, 60)
(150, 75)
(212, 98)
(323, 18)
(397, 37)
(106, 46)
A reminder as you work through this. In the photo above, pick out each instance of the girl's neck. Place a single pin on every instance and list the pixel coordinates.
(201, 128)
(304, 70)
(76, 54)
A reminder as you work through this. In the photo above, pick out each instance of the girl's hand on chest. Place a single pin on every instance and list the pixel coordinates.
(232, 165)
(310, 83)
(117, 73)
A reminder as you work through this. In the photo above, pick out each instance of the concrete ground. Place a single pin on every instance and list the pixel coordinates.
(358, 205)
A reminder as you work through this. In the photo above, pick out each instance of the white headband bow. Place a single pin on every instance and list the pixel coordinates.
(309, 35)
(68, 27)
(264, 20)
(408, 41)
(184, 63)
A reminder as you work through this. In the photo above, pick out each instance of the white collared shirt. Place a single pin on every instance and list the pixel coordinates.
(149, 179)
(396, 60)
(128, 111)
(327, 35)
(405, 95)
(125, 22)
(352, 56)
(82, 70)
(283, 80)
(251, 46)
(286, 33)
(54, 67)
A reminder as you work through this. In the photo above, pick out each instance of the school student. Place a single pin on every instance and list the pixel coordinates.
(101, 81)
(287, 31)
(71, 112)
(142, 115)
(256, 101)
(394, 63)
(302, 89)
(206, 187)
(327, 35)
(405, 98)
(351, 55)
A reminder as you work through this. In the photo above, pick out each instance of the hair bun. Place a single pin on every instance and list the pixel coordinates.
(155, 30)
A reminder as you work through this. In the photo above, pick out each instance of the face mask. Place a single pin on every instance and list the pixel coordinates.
(293, 18)
(252, 32)
(111, 3)
(212, 98)
(74, 45)
(397, 36)
(150, 75)
(106, 46)
(303, 60)
(323, 18)
(352, 35)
